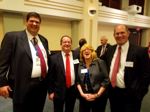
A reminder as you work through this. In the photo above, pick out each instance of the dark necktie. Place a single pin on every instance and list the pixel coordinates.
(40, 55)
(116, 67)
(68, 72)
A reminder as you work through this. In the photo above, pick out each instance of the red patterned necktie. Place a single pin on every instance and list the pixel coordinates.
(116, 67)
(40, 55)
(68, 72)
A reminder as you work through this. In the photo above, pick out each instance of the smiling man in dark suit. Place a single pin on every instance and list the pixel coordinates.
(130, 84)
(60, 91)
(24, 65)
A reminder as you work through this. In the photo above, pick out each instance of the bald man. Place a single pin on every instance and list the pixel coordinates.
(101, 49)
(130, 81)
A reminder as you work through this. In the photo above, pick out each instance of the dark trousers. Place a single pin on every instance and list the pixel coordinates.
(121, 100)
(67, 104)
(93, 106)
(34, 100)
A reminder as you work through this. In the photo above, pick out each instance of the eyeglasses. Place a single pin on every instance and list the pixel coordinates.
(34, 21)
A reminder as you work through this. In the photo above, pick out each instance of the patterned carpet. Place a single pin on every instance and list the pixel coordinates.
(6, 105)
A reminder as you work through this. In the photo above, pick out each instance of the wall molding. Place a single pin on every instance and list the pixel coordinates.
(74, 10)
(114, 16)
(56, 5)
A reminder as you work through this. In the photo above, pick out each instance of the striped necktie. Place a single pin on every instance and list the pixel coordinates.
(40, 55)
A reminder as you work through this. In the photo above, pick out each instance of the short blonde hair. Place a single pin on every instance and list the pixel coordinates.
(84, 47)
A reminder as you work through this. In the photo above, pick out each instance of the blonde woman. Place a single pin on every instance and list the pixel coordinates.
(92, 81)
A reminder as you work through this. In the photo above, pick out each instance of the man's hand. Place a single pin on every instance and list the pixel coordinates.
(4, 91)
(51, 96)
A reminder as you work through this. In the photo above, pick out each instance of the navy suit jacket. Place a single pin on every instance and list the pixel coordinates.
(137, 77)
(57, 79)
(16, 62)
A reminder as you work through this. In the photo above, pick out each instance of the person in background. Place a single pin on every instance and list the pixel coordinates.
(92, 81)
(82, 41)
(22, 74)
(63, 69)
(129, 73)
(101, 49)
(149, 49)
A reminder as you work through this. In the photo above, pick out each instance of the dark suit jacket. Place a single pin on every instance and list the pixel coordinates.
(137, 77)
(77, 52)
(99, 48)
(57, 80)
(16, 60)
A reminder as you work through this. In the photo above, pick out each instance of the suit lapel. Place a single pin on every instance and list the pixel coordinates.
(111, 53)
(75, 65)
(130, 54)
(26, 44)
(61, 62)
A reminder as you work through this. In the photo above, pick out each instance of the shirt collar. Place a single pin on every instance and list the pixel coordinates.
(124, 46)
(30, 37)
(63, 53)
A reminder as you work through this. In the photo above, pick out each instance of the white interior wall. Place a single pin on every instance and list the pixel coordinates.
(107, 30)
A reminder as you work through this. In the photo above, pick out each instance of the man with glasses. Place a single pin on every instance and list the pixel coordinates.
(63, 74)
(24, 66)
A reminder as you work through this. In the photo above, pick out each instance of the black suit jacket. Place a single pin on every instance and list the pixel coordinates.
(57, 79)
(137, 77)
(99, 48)
(77, 52)
(16, 61)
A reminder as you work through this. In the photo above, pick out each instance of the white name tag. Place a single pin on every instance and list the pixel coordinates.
(37, 61)
(76, 61)
(129, 64)
(84, 70)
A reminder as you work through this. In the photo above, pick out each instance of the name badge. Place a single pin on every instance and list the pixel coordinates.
(129, 64)
(37, 61)
(76, 61)
(84, 70)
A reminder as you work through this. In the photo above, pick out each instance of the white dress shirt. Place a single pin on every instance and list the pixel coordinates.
(71, 66)
(36, 69)
(120, 76)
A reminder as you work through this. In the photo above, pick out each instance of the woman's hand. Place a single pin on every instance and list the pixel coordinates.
(89, 96)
